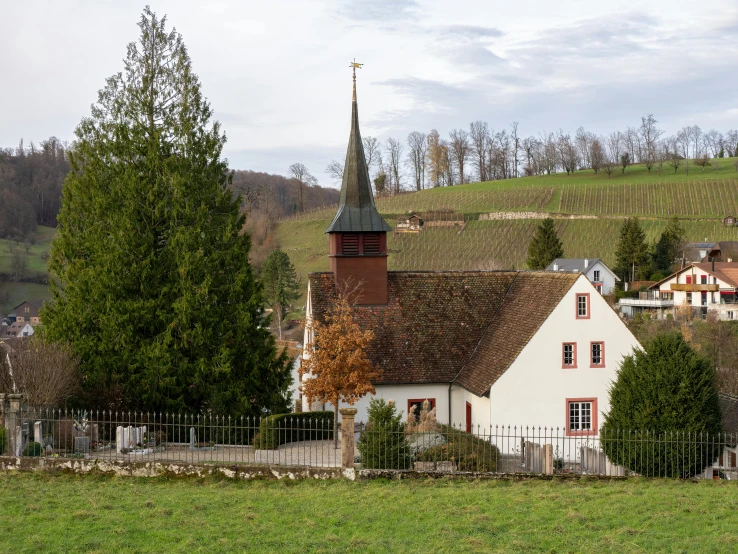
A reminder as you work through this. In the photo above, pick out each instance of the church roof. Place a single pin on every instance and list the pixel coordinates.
(465, 327)
(356, 210)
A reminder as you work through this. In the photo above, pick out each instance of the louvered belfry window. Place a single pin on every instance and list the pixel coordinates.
(350, 244)
(371, 243)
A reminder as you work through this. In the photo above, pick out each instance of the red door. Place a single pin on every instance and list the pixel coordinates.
(468, 418)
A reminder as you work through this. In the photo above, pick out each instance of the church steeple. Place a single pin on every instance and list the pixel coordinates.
(358, 234)
(356, 210)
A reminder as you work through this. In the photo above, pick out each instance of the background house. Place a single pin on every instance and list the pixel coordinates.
(703, 287)
(722, 251)
(599, 274)
(17, 329)
(409, 224)
(27, 312)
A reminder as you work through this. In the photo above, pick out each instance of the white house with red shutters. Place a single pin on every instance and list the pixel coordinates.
(485, 348)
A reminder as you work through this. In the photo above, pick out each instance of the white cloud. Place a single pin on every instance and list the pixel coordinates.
(277, 74)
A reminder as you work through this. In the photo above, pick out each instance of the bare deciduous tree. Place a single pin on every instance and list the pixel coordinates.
(335, 170)
(650, 135)
(46, 373)
(515, 146)
(303, 179)
(596, 155)
(418, 146)
(372, 153)
(394, 150)
(18, 265)
(460, 147)
(479, 135)
(674, 159)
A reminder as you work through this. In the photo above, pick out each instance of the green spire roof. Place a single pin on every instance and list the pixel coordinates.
(356, 210)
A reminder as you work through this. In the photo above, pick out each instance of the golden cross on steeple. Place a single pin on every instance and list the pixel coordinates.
(355, 65)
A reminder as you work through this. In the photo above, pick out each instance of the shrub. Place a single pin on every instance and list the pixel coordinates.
(33, 449)
(468, 452)
(383, 444)
(283, 428)
(3, 440)
(656, 277)
(664, 411)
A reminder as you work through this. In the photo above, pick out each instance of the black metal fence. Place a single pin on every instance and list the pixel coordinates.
(307, 440)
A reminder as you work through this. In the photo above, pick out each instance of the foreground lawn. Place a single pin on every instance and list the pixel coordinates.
(95, 514)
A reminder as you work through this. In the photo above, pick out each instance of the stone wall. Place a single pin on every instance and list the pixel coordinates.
(11, 464)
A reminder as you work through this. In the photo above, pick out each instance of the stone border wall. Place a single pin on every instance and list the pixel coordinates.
(11, 464)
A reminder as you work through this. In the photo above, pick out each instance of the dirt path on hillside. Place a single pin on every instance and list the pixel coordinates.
(502, 216)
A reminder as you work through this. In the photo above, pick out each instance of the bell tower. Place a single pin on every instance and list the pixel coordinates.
(358, 234)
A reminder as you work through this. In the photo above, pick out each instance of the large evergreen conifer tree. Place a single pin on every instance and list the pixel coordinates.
(151, 279)
(545, 246)
(664, 418)
(632, 260)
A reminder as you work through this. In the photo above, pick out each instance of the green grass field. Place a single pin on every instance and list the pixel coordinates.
(68, 513)
(18, 292)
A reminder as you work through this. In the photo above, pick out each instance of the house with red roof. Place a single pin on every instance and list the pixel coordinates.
(705, 287)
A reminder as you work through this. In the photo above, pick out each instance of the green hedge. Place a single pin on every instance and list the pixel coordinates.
(283, 428)
(3, 440)
(468, 452)
(33, 449)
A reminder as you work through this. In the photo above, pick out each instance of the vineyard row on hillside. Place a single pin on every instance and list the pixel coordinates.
(709, 199)
(697, 199)
(483, 245)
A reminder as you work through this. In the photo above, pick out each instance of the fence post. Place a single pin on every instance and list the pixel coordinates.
(13, 424)
(3, 414)
(347, 437)
(548, 466)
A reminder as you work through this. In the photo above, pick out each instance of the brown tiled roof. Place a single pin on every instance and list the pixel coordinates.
(530, 300)
(440, 327)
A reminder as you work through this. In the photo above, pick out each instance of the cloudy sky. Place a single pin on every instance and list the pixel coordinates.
(277, 76)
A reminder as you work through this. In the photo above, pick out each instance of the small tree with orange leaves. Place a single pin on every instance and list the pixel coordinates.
(336, 361)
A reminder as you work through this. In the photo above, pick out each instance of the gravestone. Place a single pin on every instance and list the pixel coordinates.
(82, 444)
(128, 437)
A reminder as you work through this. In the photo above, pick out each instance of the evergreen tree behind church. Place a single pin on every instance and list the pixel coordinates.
(152, 285)
(545, 246)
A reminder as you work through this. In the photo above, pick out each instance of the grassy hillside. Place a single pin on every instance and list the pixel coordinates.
(18, 292)
(699, 194)
(699, 202)
(12, 293)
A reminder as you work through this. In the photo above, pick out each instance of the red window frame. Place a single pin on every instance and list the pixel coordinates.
(419, 402)
(602, 353)
(577, 296)
(573, 365)
(593, 418)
